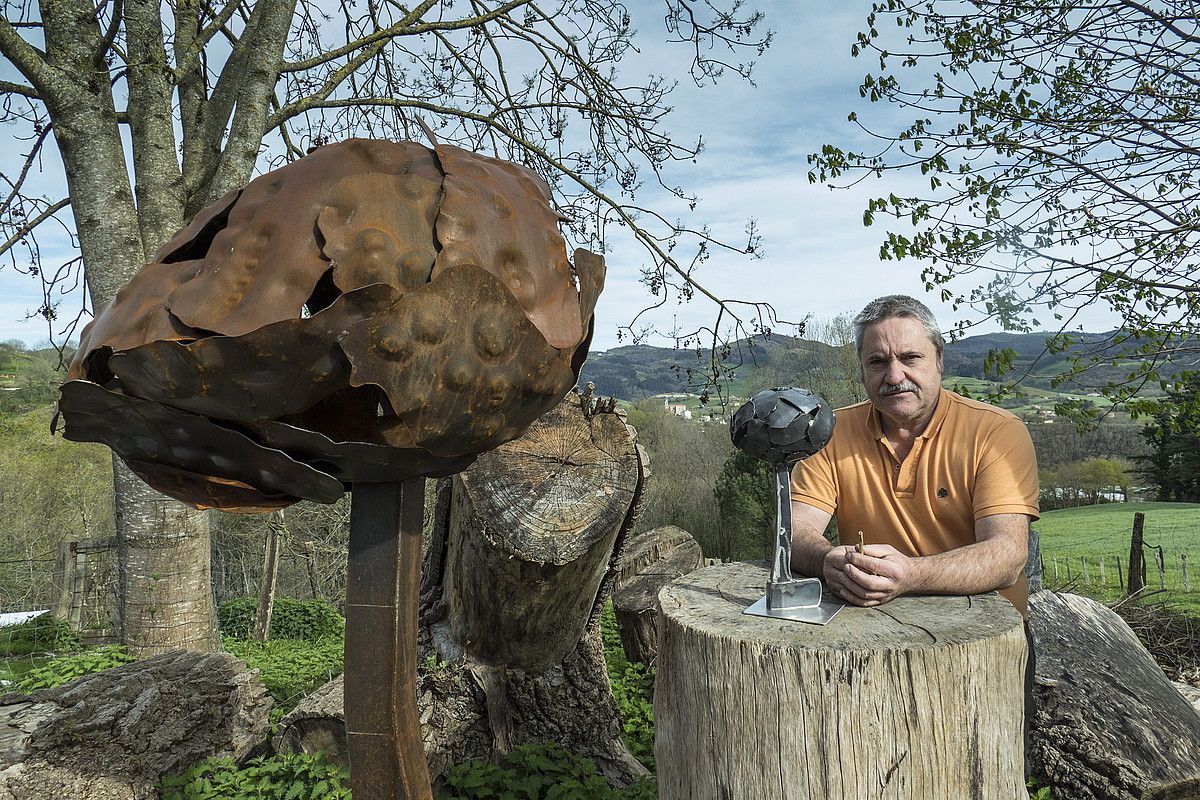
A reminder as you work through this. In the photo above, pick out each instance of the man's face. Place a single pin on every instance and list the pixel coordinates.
(901, 370)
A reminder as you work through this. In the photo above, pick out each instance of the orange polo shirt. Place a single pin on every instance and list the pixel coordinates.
(972, 461)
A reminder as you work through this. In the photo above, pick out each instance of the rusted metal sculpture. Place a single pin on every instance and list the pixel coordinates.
(368, 316)
(781, 427)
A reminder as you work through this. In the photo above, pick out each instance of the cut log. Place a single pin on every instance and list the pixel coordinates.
(921, 698)
(533, 527)
(652, 559)
(115, 734)
(1108, 725)
(521, 555)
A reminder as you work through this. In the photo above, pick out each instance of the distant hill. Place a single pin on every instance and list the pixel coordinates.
(637, 371)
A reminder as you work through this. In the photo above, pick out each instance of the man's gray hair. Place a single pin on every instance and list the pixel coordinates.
(897, 305)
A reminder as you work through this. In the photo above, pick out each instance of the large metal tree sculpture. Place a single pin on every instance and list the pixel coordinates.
(370, 315)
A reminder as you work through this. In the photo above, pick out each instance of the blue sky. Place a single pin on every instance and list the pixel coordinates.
(819, 261)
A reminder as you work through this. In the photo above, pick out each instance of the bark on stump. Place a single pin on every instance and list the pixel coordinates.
(113, 734)
(652, 559)
(1108, 725)
(920, 698)
(521, 557)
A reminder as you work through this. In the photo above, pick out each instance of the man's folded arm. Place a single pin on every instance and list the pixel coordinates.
(994, 561)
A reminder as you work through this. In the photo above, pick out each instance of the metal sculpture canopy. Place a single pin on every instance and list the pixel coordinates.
(373, 312)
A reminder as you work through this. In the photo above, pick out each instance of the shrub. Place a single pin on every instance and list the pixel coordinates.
(290, 669)
(42, 634)
(538, 772)
(633, 689)
(290, 619)
(295, 777)
(68, 668)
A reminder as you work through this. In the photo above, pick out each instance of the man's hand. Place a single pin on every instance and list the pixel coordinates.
(879, 574)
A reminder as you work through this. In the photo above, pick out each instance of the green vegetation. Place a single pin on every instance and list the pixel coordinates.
(633, 689)
(745, 494)
(1173, 434)
(1103, 532)
(42, 634)
(307, 620)
(290, 668)
(286, 777)
(538, 772)
(64, 669)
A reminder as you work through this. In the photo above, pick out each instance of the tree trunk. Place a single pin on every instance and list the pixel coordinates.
(1108, 725)
(652, 559)
(164, 578)
(112, 735)
(270, 578)
(919, 698)
(163, 556)
(521, 556)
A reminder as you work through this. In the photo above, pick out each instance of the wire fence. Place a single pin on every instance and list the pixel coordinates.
(1161, 569)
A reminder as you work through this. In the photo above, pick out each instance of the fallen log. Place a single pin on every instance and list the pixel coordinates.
(921, 698)
(523, 549)
(1108, 725)
(652, 559)
(114, 734)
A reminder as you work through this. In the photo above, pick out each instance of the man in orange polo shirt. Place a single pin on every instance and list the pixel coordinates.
(943, 488)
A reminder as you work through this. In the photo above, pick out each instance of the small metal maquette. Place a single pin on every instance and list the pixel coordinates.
(781, 427)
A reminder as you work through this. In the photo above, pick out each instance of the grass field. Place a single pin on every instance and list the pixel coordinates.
(1092, 533)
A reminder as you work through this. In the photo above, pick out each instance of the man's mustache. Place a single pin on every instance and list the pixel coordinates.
(896, 388)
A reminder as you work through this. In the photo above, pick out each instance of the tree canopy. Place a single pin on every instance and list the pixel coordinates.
(1060, 145)
(198, 90)
(1173, 434)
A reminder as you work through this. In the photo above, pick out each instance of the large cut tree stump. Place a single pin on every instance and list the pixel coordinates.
(921, 698)
(113, 734)
(652, 559)
(521, 558)
(1108, 724)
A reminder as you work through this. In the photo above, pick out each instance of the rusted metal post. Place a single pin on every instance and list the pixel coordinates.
(383, 731)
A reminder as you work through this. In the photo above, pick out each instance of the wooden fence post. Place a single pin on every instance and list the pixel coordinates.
(1056, 579)
(1087, 578)
(1187, 585)
(1160, 562)
(1137, 567)
(1102, 581)
(1120, 574)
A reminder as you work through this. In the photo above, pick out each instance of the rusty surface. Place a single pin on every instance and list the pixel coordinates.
(497, 216)
(142, 430)
(373, 312)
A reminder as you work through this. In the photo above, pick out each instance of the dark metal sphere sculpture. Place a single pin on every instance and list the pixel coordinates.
(781, 426)
(373, 312)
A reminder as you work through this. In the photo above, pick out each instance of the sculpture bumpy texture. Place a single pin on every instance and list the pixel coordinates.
(372, 312)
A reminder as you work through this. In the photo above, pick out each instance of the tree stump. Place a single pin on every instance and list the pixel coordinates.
(920, 698)
(112, 735)
(1108, 724)
(652, 559)
(520, 560)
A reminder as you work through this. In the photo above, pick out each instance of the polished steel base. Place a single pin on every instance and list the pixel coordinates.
(814, 615)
